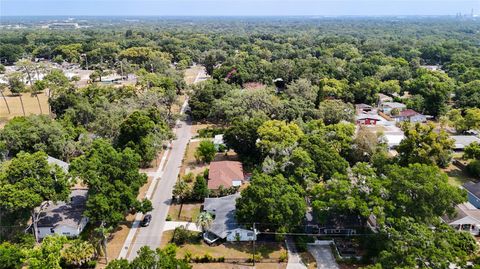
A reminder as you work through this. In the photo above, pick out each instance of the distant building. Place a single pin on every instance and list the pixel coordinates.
(462, 141)
(410, 115)
(466, 218)
(363, 108)
(368, 119)
(224, 225)
(393, 140)
(382, 98)
(225, 173)
(387, 107)
(64, 218)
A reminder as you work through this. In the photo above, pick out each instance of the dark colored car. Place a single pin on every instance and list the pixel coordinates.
(146, 220)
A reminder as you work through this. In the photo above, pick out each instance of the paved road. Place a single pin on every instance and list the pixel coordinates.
(161, 197)
(294, 260)
(322, 253)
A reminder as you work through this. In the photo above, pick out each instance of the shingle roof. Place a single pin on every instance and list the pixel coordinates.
(461, 141)
(58, 162)
(463, 211)
(473, 188)
(394, 104)
(223, 173)
(65, 213)
(224, 210)
(408, 113)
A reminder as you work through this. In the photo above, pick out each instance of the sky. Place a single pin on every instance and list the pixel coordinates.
(237, 7)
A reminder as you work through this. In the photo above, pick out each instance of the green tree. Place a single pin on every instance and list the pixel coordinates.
(472, 151)
(181, 190)
(468, 95)
(410, 244)
(77, 253)
(276, 137)
(206, 151)
(29, 183)
(152, 259)
(421, 192)
(46, 255)
(423, 145)
(272, 200)
(335, 111)
(204, 220)
(242, 137)
(113, 180)
(35, 133)
(11, 256)
(200, 189)
(17, 86)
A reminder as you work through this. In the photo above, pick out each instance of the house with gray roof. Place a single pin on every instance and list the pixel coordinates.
(64, 218)
(473, 193)
(466, 218)
(58, 162)
(462, 141)
(224, 225)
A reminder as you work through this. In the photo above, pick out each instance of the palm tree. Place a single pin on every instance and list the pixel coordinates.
(204, 220)
(27, 66)
(38, 87)
(103, 234)
(17, 86)
(78, 253)
(3, 86)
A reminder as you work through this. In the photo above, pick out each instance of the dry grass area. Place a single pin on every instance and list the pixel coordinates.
(189, 163)
(184, 212)
(196, 127)
(239, 266)
(30, 104)
(237, 250)
(191, 73)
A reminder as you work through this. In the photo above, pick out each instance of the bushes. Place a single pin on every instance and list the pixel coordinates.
(210, 132)
(181, 236)
(205, 152)
(207, 258)
(473, 168)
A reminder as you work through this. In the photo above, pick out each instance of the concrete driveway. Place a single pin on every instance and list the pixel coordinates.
(294, 259)
(322, 253)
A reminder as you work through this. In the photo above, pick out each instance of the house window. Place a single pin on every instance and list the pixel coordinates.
(66, 233)
(52, 230)
(249, 234)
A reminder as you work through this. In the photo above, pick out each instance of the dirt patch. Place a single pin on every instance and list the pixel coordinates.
(308, 260)
(184, 212)
(191, 73)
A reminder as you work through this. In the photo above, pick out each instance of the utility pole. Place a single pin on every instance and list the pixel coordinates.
(254, 240)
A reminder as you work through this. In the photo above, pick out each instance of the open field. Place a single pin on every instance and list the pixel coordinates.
(30, 104)
(191, 73)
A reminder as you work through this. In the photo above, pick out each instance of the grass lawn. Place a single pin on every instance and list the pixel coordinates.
(457, 176)
(239, 250)
(185, 212)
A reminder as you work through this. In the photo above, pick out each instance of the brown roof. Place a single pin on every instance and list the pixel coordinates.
(223, 173)
(408, 113)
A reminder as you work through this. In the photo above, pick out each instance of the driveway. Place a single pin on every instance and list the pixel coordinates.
(294, 259)
(161, 195)
(322, 253)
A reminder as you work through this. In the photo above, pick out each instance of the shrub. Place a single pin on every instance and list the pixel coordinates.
(180, 236)
(283, 257)
(210, 132)
(205, 152)
(473, 168)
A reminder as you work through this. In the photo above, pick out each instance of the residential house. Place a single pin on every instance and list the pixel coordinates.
(64, 218)
(382, 98)
(393, 139)
(58, 162)
(363, 108)
(387, 107)
(462, 141)
(343, 225)
(473, 193)
(225, 173)
(224, 225)
(368, 119)
(218, 141)
(466, 218)
(409, 115)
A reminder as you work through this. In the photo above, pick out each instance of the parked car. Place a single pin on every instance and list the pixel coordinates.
(146, 220)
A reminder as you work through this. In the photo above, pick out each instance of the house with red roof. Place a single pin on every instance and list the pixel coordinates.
(225, 173)
(410, 115)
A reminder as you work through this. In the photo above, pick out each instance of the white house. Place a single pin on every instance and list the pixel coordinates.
(466, 218)
(224, 225)
(64, 218)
